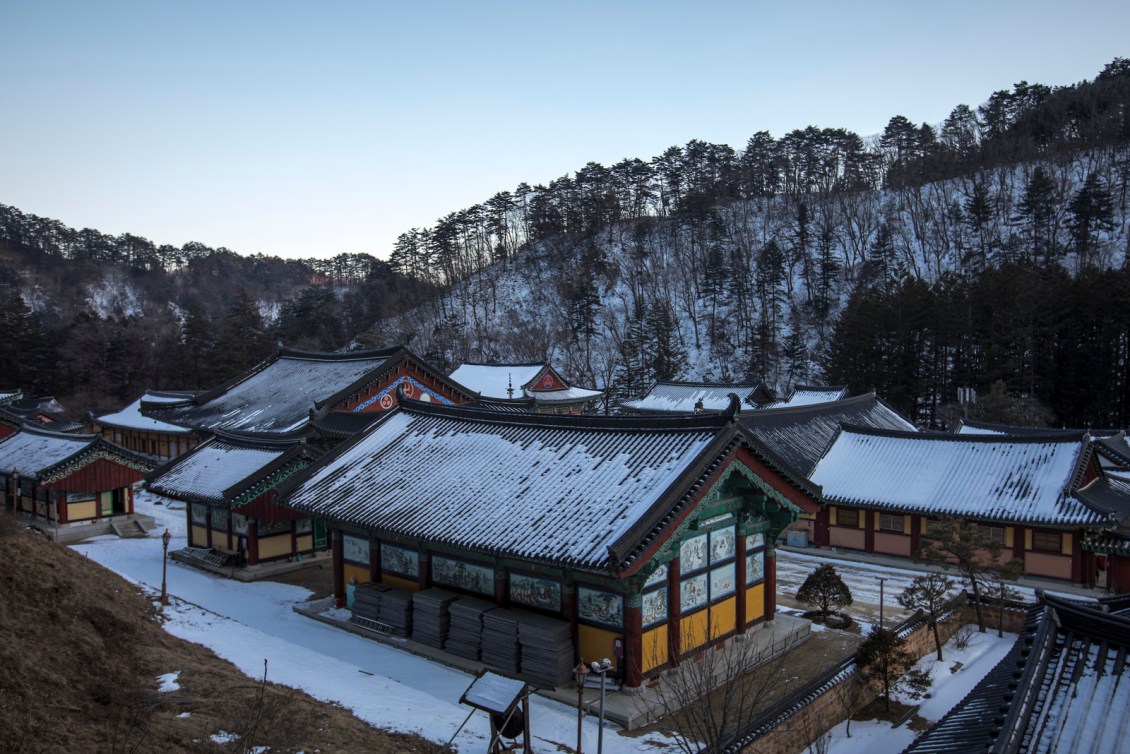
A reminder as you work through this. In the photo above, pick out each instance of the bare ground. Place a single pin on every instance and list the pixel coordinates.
(81, 650)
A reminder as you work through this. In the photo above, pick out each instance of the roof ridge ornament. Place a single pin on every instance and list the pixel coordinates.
(734, 409)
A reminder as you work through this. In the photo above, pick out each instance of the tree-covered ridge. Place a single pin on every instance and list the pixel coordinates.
(1026, 123)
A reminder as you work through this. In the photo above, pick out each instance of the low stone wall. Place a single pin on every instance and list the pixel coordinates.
(794, 723)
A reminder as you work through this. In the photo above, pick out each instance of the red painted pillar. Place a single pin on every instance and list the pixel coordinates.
(338, 569)
(770, 584)
(253, 542)
(633, 646)
(869, 530)
(501, 595)
(375, 562)
(424, 577)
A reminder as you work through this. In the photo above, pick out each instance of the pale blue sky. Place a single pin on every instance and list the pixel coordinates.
(309, 129)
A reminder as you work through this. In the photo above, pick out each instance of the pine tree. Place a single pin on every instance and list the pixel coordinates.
(1092, 211)
(825, 590)
(1036, 211)
(928, 593)
(883, 657)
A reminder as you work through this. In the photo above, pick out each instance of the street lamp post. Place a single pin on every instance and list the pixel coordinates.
(601, 667)
(580, 673)
(881, 601)
(165, 566)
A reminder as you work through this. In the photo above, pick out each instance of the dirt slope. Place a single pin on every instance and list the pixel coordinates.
(80, 652)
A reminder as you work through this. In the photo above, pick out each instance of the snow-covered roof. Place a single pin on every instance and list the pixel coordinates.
(517, 381)
(682, 397)
(277, 396)
(807, 395)
(204, 473)
(800, 434)
(7, 396)
(555, 489)
(973, 427)
(1015, 479)
(36, 453)
(1064, 688)
(497, 380)
(568, 395)
(131, 417)
(1108, 493)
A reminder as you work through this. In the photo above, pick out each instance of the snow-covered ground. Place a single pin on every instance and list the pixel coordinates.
(953, 678)
(247, 623)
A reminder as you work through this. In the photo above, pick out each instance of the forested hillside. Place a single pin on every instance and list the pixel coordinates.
(991, 247)
(986, 252)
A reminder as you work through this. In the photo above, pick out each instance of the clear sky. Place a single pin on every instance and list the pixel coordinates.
(310, 129)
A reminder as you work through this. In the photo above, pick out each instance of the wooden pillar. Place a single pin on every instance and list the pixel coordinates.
(739, 582)
(208, 526)
(293, 538)
(1079, 574)
(869, 519)
(569, 606)
(375, 562)
(252, 541)
(1018, 542)
(915, 535)
(633, 645)
(338, 569)
(501, 596)
(424, 576)
(674, 630)
(770, 583)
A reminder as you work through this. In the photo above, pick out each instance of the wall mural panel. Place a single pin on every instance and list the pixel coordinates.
(693, 593)
(722, 544)
(355, 549)
(469, 577)
(693, 554)
(598, 606)
(654, 607)
(541, 593)
(400, 560)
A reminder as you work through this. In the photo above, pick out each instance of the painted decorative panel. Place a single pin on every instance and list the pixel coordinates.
(723, 581)
(535, 592)
(277, 527)
(658, 577)
(722, 544)
(200, 514)
(755, 540)
(239, 524)
(461, 575)
(754, 567)
(692, 554)
(597, 606)
(400, 560)
(219, 518)
(692, 593)
(654, 607)
(355, 549)
(304, 525)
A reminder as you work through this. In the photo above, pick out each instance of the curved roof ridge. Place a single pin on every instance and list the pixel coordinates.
(672, 423)
(823, 406)
(285, 352)
(1054, 437)
(503, 364)
(36, 428)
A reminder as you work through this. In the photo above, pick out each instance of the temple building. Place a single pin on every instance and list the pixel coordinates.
(1041, 496)
(644, 540)
(71, 486)
(807, 395)
(229, 483)
(534, 387)
(666, 398)
(132, 429)
(280, 395)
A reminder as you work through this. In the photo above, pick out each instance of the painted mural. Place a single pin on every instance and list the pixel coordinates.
(658, 577)
(692, 554)
(654, 607)
(722, 544)
(535, 592)
(355, 549)
(597, 606)
(693, 593)
(723, 581)
(754, 567)
(400, 560)
(461, 575)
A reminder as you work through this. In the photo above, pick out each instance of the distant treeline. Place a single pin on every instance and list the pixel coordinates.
(1058, 344)
(1026, 123)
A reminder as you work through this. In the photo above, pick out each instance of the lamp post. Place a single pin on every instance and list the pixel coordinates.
(165, 566)
(580, 673)
(881, 601)
(601, 667)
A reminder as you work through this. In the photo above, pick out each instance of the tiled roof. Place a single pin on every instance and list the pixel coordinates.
(131, 417)
(1108, 493)
(973, 427)
(996, 478)
(1116, 448)
(497, 380)
(681, 397)
(38, 453)
(32, 451)
(566, 490)
(341, 424)
(220, 468)
(806, 395)
(801, 434)
(1063, 688)
(278, 395)
(514, 382)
